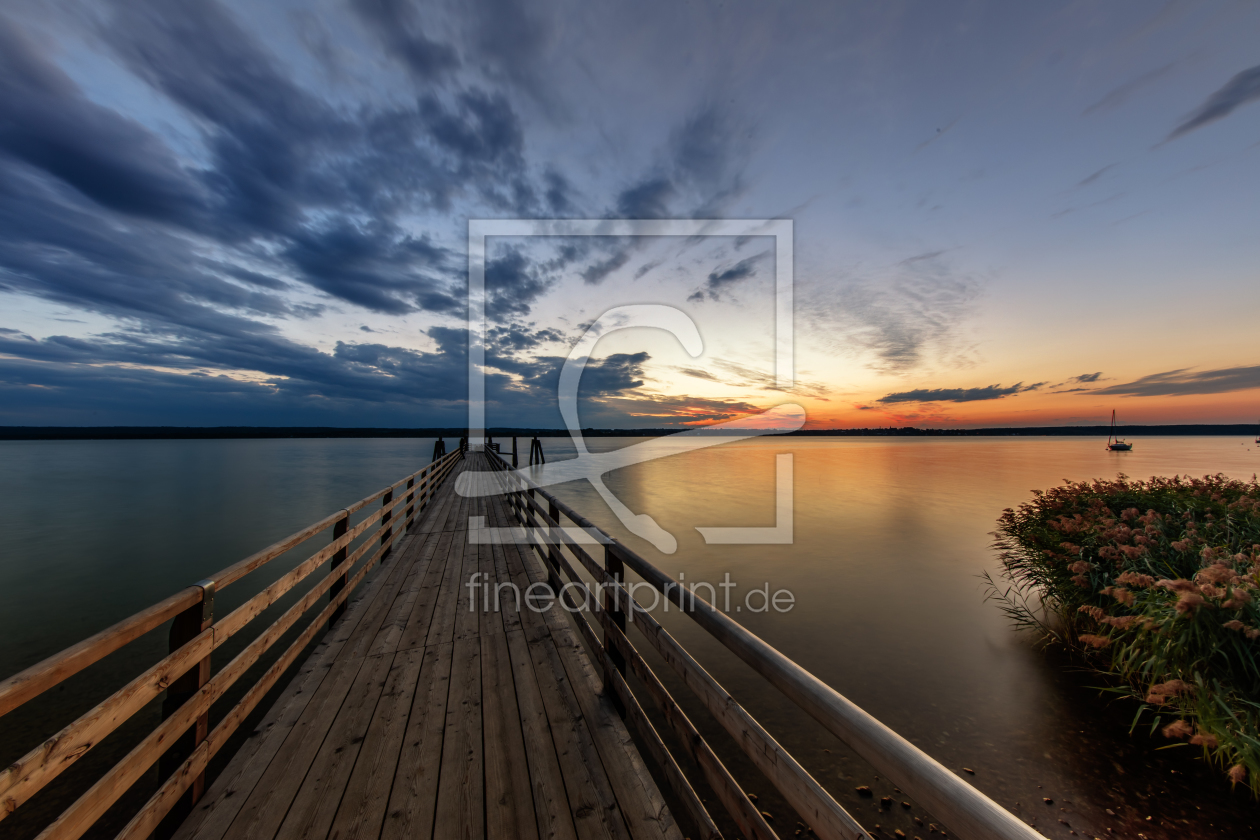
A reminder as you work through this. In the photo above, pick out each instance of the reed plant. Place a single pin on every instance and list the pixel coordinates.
(1154, 582)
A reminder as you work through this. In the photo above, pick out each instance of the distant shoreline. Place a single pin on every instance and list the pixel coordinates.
(280, 432)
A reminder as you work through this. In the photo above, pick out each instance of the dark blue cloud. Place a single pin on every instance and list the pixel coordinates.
(50, 125)
(509, 39)
(1185, 382)
(516, 337)
(722, 279)
(377, 266)
(397, 24)
(276, 191)
(1238, 91)
(302, 190)
(989, 392)
(698, 176)
(648, 199)
(559, 193)
(513, 282)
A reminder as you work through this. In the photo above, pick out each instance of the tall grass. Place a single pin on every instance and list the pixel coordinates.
(1155, 583)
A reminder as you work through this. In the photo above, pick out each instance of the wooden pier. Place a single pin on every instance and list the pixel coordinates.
(423, 715)
(430, 710)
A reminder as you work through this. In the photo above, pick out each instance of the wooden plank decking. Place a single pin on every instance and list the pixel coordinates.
(419, 717)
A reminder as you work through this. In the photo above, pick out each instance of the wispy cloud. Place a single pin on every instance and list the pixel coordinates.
(904, 317)
(940, 132)
(738, 375)
(1092, 178)
(1078, 383)
(698, 373)
(1117, 96)
(397, 25)
(724, 278)
(668, 410)
(1238, 91)
(931, 395)
(1091, 205)
(699, 173)
(1185, 382)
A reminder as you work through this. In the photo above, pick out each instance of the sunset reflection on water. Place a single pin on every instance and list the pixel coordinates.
(891, 537)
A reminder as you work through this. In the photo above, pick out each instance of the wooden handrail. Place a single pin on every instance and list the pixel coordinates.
(798, 787)
(673, 773)
(750, 820)
(242, 615)
(964, 809)
(30, 773)
(817, 807)
(238, 570)
(828, 819)
(42, 676)
(661, 754)
(88, 808)
(143, 823)
(22, 779)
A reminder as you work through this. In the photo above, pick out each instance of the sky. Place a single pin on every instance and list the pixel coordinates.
(1003, 214)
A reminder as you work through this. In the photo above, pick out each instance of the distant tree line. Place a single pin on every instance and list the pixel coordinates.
(244, 432)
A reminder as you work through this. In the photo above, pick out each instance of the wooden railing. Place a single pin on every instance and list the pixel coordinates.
(185, 674)
(967, 812)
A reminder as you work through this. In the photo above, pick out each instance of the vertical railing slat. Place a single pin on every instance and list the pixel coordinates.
(338, 560)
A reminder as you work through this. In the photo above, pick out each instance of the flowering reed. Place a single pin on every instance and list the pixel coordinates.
(1155, 583)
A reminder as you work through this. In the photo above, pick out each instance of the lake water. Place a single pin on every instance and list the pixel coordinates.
(891, 537)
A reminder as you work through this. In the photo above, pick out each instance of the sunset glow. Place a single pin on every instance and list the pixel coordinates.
(1003, 215)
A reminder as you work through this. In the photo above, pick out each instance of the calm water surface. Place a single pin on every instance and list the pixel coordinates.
(891, 536)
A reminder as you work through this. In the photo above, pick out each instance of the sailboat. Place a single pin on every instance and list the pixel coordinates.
(1114, 443)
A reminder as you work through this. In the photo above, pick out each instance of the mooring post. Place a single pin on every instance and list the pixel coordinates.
(439, 448)
(513, 451)
(340, 527)
(385, 535)
(612, 606)
(185, 627)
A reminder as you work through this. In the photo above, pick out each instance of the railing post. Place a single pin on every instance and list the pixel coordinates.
(612, 605)
(411, 497)
(528, 510)
(339, 530)
(513, 451)
(553, 546)
(185, 627)
(385, 534)
(531, 523)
